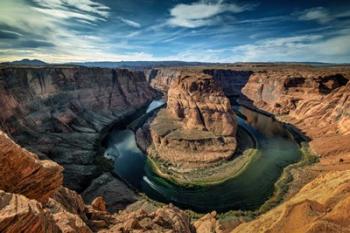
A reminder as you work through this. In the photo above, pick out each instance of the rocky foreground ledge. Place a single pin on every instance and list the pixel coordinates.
(34, 200)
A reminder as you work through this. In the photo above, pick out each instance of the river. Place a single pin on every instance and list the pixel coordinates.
(248, 191)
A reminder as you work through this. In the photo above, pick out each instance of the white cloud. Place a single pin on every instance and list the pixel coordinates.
(78, 6)
(129, 22)
(319, 14)
(296, 48)
(65, 14)
(202, 13)
(51, 21)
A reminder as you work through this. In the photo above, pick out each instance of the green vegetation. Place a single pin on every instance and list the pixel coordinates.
(216, 174)
(281, 188)
(282, 184)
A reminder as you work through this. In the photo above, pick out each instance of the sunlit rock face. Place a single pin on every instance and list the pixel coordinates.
(198, 126)
(202, 105)
(23, 173)
(318, 100)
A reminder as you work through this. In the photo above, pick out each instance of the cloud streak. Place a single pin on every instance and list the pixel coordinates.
(319, 14)
(78, 8)
(202, 13)
(131, 23)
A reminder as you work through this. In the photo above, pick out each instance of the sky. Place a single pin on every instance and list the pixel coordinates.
(59, 31)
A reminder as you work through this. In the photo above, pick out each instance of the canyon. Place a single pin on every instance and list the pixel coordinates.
(56, 179)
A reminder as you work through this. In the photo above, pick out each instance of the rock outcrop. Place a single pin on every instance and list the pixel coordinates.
(115, 192)
(320, 99)
(167, 219)
(23, 173)
(58, 113)
(198, 126)
(31, 196)
(20, 214)
(315, 101)
(323, 205)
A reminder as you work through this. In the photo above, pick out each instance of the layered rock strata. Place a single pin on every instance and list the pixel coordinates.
(198, 126)
(166, 219)
(23, 173)
(317, 102)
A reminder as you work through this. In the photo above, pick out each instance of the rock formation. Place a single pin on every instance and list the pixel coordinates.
(317, 102)
(31, 196)
(198, 126)
(20, 214)
(115, 192)
(166, 219)
(323, 205)
(23, 173)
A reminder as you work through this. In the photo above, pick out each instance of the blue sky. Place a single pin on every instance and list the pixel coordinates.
(200, 30)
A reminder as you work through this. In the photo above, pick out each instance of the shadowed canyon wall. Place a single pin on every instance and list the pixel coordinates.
(58, 113)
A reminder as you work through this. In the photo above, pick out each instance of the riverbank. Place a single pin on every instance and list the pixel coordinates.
(218, 172)
(214, 175)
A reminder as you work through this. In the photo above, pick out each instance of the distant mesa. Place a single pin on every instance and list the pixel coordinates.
(28, 62)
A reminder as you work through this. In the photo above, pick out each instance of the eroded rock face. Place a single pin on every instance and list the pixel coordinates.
(23, 173)
(167, 219)
(198, 126)
(316, 101)
(20, 214)
(201, 104)
(58, 113)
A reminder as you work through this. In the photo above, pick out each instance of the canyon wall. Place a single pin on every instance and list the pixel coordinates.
(58, 113)
(316, 102)
(231, 81)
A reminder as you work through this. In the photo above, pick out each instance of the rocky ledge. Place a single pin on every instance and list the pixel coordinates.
(33, 200)
(198, 127)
